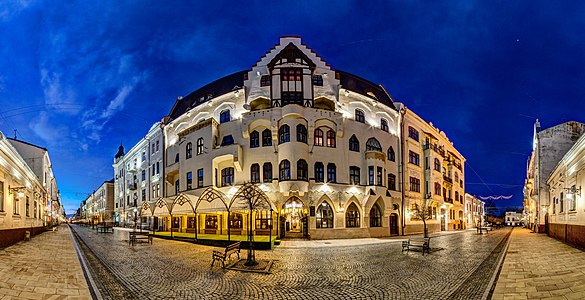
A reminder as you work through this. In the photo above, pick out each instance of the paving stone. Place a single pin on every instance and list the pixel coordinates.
(177, 270)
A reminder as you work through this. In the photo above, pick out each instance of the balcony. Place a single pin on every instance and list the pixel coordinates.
(132, 186)
(447, 179)
(448, 200)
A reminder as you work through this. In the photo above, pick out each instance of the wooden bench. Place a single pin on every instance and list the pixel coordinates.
(134, 236)
(480, 229)
(223, 256)
(423, 243)
(105, 228)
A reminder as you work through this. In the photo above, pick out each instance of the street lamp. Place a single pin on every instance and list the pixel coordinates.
(135, 217)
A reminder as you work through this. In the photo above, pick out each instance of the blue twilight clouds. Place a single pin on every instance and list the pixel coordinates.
(78, 77)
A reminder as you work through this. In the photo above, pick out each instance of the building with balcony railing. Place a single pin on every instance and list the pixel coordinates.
(137, 176)
(431, 161)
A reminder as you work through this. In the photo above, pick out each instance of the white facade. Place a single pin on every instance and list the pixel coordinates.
(138, 176)
(22, 194)
(99, 206)
(474, 211)
(512, 218)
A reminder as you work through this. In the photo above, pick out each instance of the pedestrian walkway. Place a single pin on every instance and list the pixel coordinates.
(47, 267)
(539, 267)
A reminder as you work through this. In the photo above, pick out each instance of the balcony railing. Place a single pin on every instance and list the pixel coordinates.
(447, 179)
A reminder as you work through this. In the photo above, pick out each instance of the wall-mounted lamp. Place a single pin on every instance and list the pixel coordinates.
(573, 190)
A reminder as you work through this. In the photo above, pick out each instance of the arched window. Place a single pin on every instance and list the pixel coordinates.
(352, 216)
(331, 139)
(319, 172)
(284, 134)
(375, 216)
(373, 145)
(227, 176)
(301, 133)
(360, 116)
(267, 172)
(255, 173)
(224, 116)
(302, 170)
(266, 138)
(354, 144)
(254, 139)
(324, 216)
(437, 165)
(391, 154)
(331, 172)
(318, 137)
(384, 124)
(189, 150)
(199, 146)
(284, 170)
(456, 196)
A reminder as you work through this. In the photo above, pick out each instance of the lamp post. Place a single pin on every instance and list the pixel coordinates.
(135, 217)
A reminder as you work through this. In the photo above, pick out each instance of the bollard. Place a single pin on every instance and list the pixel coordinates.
(27, 235)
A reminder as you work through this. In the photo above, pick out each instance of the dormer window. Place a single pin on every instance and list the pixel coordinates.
(265, 80)
(224, 116)
(317, 80)
(292, 86)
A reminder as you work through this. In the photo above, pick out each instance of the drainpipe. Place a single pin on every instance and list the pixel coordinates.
(401, 168)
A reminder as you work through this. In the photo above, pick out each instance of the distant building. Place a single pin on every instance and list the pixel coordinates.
(512, 218)
(549, 147)
(474, 211)
(567, 208)
(99, 206)
(138, 176)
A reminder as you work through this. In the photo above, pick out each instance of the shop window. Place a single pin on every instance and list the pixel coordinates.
(375, 216)
(352, 216)
(324, 216)
(210, 222)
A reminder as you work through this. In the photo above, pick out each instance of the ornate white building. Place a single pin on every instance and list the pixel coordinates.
(138, 176)
(474, 211)
(322, 144)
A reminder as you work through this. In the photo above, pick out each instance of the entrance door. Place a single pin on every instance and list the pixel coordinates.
(443, 217)
(293, 214)
(393, 224)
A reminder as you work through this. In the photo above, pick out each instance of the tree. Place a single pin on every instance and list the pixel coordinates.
(423, 211)
(251, 197)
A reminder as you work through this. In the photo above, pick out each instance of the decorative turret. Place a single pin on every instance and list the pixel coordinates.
(120, 152)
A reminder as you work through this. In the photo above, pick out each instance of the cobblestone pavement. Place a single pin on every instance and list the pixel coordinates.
(540, 267)
(170, 269)
(47, 267)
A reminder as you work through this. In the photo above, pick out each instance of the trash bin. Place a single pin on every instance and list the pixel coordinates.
(27, 235)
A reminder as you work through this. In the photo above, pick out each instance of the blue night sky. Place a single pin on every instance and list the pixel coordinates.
(79, 76)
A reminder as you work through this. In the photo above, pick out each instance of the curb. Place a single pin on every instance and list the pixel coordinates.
(492, 284)
(95, 293)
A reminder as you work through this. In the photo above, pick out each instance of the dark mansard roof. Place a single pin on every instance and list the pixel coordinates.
(236, 81)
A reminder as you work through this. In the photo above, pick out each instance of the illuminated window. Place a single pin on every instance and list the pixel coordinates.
(318, 137)
(324, 216)
(331, 139)
(352, 216)
(375, 216)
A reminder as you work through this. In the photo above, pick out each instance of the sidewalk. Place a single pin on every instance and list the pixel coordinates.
(539, 267)
(47, 267)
